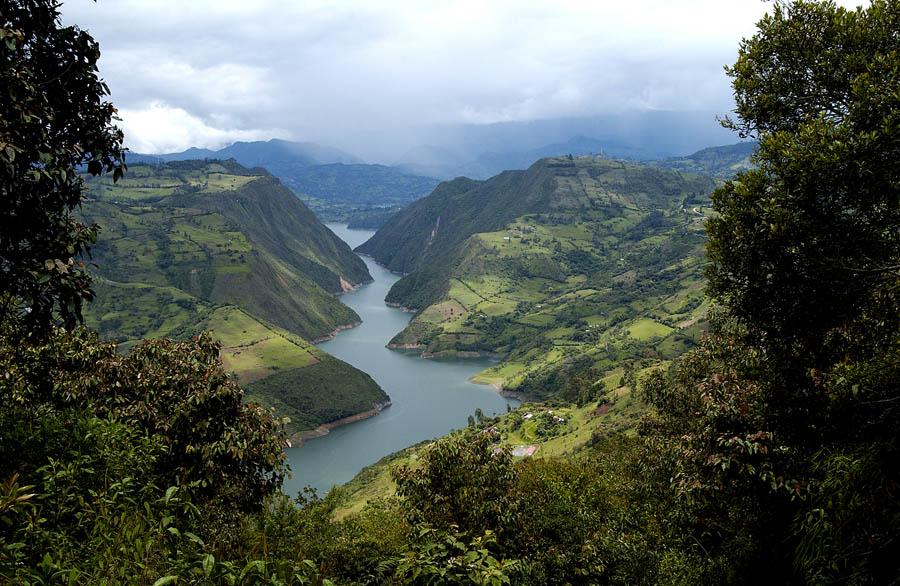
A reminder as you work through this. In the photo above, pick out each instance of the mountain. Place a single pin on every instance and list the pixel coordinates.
(362, 195)
(196, 245)
(482, 150)
(571, 265)
(226, 235)
(491, 163)
(358, 184)
(257, 154)
(721, 162)
(336, 185)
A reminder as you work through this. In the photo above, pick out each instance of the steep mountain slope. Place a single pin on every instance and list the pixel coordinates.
(196, 245)
(572, 265)
(226, 235)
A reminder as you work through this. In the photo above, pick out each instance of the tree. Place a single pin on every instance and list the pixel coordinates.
(53, 122)
(776, 437)
(464, 482)
(175, 392)
(808, 242)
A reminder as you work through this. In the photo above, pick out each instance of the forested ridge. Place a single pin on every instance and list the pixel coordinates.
(767, 454)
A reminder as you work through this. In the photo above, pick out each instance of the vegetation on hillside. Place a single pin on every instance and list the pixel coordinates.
(225, 235)
(574, 266)
(187, 243)
(721, 162)
(356, 217)
(358, 185)
(197, 246)
(362, 196)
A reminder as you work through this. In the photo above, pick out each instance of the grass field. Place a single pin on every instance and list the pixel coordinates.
(253, 350)
(646, 329)
(545, 298)
(146, 182)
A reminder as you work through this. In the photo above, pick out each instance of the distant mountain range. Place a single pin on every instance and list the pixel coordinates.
(313, 170)
(257, 154)
(356, 183)
(338, 185)
(480, 151)
(721, 162)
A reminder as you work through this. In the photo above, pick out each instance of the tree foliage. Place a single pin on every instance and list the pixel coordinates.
(53, 120)
(775, 438)
(176, 392)
(806, 245)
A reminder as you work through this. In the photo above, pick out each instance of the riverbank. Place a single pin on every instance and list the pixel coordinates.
(331, 335)
(497, 385)
(298, 438)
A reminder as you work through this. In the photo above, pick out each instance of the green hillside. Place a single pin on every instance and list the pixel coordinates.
(224, 235)
(364, 196)
(532, 431)
(573, 267)
(722, 162)
(194, 246)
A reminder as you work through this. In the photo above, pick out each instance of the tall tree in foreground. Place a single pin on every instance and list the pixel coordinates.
(53, 119)
(111, 466)
(778, 436)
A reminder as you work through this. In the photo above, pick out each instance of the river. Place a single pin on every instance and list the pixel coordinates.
(430, 397)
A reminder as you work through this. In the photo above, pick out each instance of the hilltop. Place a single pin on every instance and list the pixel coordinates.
(483, 150)
(336, 185)
(721, 162)
(567, 270)
(192, 246)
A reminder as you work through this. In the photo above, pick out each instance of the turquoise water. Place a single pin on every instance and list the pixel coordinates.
(430, 397)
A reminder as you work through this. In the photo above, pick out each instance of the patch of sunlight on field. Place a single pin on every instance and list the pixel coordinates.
(217, 182)
(646, 329)
(253, 350)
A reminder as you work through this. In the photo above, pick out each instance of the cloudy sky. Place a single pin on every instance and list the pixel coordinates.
(352, 73)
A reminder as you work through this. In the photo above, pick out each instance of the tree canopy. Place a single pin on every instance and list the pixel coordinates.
(54, 121)
(776, 437)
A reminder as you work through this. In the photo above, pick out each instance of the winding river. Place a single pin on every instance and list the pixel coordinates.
(430, 397)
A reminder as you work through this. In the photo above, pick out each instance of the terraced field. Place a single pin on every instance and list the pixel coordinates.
(253, 350)
(194, 246)
(602, 268)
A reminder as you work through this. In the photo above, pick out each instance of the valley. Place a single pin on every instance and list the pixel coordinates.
(430, 397)
(565, 282)
(449, 293)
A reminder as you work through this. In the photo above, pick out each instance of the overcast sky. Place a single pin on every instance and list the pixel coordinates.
(350, 73)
